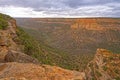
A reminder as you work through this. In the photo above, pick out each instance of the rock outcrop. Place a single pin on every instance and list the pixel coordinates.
(9, 47)
(104, 66)
(14, 56)
(29, 71)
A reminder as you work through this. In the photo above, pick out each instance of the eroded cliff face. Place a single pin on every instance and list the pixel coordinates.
(104, 66)
(7, 39)
(96, 24)
(10, 50)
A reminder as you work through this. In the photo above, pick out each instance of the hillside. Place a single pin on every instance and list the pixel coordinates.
(18, 62)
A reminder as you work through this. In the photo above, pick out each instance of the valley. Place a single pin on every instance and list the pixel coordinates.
(75, 35)
(73, 40)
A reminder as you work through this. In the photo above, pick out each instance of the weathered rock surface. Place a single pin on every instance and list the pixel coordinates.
(15, 56)
(6, 40)
(104, 66)
(29, 71)
(13, 78)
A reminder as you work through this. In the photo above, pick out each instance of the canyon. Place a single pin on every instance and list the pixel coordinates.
(18, 62)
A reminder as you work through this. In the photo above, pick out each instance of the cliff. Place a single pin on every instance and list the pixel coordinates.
(96, 24)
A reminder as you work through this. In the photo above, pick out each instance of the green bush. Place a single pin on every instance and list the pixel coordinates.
(5, 17)
(3, 24)
(4, 21)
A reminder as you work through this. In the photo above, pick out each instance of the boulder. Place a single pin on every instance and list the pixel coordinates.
(14, 56)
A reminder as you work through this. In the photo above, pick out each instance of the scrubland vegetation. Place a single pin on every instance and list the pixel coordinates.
(47, 55)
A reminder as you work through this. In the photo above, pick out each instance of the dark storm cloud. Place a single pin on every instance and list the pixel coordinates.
(30, 3)
(77, 3)
(69, 7)
(50, 3)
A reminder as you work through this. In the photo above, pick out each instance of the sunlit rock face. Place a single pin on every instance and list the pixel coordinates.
(104, 66)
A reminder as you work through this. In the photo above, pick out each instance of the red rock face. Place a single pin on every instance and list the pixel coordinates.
(96, 24)
(13, 22)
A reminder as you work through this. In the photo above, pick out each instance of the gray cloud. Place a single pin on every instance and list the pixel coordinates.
(104, 8)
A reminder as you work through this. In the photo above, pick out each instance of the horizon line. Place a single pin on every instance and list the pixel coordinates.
(66, 17)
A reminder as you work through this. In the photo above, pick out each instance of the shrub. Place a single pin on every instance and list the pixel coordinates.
(4, 21)
(3, 24)
(5, 17)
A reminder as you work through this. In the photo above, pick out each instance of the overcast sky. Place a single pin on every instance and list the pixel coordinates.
(60, 8)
